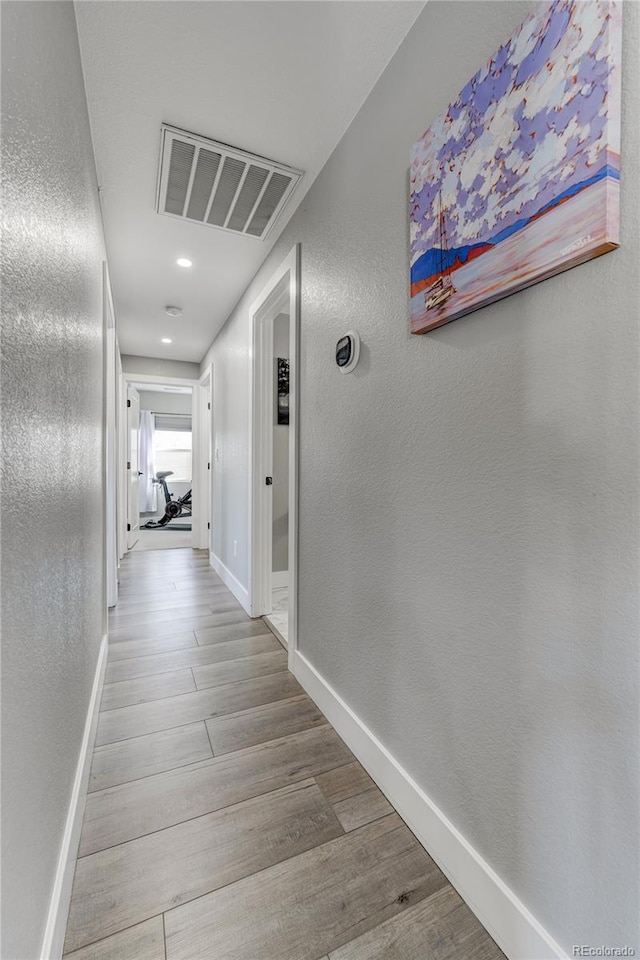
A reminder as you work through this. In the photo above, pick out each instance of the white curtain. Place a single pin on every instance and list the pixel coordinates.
(147, 490)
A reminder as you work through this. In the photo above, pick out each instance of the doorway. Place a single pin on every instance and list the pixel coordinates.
(203, 459)
(133, 470)
(160, 463)
(279, 615)
(274, 425)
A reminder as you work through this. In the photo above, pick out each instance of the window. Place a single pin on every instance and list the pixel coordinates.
(172, 445)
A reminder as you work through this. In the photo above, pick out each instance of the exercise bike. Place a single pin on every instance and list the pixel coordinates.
(181, 507)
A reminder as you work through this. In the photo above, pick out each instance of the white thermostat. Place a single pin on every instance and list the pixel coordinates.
(348, 352)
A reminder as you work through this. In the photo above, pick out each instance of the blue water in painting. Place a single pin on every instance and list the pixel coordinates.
(430, 263)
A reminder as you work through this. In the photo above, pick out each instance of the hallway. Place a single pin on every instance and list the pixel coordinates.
(225, 816)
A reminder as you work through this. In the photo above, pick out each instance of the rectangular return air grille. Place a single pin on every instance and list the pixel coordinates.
(216, 185)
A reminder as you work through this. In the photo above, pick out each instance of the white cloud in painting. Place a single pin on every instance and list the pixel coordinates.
(530, 126)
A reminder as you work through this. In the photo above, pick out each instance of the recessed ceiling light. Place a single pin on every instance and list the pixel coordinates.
(166, 340)
(183, 262)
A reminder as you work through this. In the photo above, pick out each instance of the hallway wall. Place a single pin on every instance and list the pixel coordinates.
(53, 601)
(163, 402)
(156, 367)
(469, 504)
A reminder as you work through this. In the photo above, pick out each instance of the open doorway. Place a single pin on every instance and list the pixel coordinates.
(166, 466)
(273, 502)
(159, 463)
(279, 616)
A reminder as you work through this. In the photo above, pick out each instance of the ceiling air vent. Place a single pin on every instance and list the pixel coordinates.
(216, 185)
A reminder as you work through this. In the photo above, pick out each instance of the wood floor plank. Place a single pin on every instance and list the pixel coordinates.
(363, 808)
(183, 582)
(134, 593)
(172, 628)
(311, 904)
(134, 881)
(200, 588)
(354, 796)
(127, 607)
(442, 927)
(140, 594)
(128, 649)
(117, 763)
(263, 723)
(135, 721)
(145, 941)
(193, 656)
(146, 618)
(161, 560)
(214, 634)
(345, 782)
(151, 561)
(145, 689)
(125, 812)
(168, 568)
(230, 671)
(136, 583)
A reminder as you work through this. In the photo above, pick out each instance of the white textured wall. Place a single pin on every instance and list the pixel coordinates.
(163, 402)
(52, 536)
(157, 367)
(468, 505)
(230, 405)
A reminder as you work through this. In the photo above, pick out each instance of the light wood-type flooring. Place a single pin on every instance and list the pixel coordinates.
(226, 820)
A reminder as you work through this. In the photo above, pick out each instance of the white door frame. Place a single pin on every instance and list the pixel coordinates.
(111, 442)
(121, 459)
(125, 380)
(133, 464)
(282, 290)
(203, 446)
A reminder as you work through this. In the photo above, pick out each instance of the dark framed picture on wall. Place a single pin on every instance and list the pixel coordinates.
(283, 391)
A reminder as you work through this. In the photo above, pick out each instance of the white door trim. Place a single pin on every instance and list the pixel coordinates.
(133, 466)
(282, 290)
(158, 381)
(111, 442)
(202, 456)
(121, 456)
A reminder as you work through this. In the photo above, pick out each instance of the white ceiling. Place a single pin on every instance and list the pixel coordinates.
(280, 79)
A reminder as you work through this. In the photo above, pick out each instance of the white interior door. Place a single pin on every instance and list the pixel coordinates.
(280, 295)
(133, 466)
(203, 464)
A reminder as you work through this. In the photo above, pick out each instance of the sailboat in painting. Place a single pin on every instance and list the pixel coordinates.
(442, 288)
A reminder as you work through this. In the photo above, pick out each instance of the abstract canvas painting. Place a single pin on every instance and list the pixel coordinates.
(519, 178)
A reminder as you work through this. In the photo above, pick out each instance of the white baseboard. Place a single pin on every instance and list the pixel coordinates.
(279, 578)
(510, 923)
(239, 592)
(55, 928)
